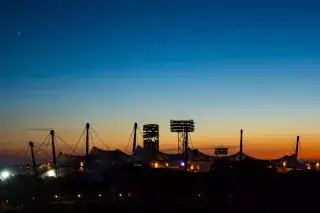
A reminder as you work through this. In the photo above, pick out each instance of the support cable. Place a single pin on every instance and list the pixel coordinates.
(39, 148)
(140, 132)
(57, 145)
(99, 138)
(27, 152)
(43, 142)
(75, 147)
(90, 134)
(141, 135)
(64, 143)
(47, 146)
(18, 153)
(130, 138)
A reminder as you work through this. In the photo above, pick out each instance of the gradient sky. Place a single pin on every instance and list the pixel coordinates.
(239, 64)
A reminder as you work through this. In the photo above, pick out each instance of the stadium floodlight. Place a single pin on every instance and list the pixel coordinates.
(182, 126)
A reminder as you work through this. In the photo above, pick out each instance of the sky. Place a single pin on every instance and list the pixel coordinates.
(226, 64)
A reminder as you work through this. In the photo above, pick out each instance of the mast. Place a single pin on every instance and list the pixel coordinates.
(54, 158)
(297, 146)
(33, 159)
(241, 143)
(134, 145)
(87, 138)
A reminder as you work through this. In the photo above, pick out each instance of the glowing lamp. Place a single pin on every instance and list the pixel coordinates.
(5, 175)
(51, 173)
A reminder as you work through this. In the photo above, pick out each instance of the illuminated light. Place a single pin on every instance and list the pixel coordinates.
(309, 167)
(167, 164)
(81, 164)
(317, 165)
(33, 198)
(129, 194)
(191, 167)
(7, 201)
(51, 173)
(79, 195)
(182, 164)
(120, 195)
(199, 194)
(56, 196)
(99, 195)
(284, 164)
(5, 175)
(156, 165)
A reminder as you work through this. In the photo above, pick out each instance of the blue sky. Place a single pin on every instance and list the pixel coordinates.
(75, 61)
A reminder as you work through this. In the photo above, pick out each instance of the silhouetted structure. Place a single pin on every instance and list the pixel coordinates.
(34, 165)
(134, 145)
(183, 127)
(151, 136)
(87, 138)
(54, 157)
(221, 151)
(241, 144)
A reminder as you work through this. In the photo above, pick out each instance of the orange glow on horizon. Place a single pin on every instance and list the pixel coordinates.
(265, 146)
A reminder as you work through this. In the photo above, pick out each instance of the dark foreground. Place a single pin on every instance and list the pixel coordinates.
(152, 190)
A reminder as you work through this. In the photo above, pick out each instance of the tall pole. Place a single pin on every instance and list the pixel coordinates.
(297, 146)
(87, 138)
(241, 143)
(54, 158)
(186, 151)
(33, 159)
(134, 145)
(297, 151)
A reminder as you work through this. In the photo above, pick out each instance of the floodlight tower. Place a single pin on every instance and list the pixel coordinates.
(182, 127)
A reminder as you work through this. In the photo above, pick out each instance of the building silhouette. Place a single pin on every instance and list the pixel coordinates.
(151, 136)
